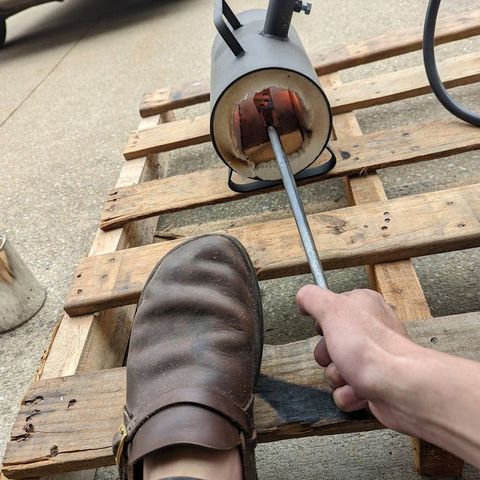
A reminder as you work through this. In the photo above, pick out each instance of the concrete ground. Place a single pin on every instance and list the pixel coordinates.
(72, 76)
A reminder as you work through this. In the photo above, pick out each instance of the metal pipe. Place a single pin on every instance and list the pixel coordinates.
(297, 209)
(279, 17)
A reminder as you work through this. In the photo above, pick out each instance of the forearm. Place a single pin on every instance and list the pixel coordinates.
(368, 358)
(437, 397)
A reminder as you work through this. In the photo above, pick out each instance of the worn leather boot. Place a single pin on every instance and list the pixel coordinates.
(194, 356)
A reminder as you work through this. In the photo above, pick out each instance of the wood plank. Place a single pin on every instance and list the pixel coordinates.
(397, 281)
(385, 231)
(174, 232)
(164, 138)
(356, 155)
(171, 98)
(402, 84)
(355, 95)
(399, 284)
(96, 341)
(67, 423)
(380, 47)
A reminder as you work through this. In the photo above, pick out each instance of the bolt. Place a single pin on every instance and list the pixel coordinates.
(302, 6)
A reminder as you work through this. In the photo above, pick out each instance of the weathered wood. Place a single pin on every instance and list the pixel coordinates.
(97, 341)
(164, 138)
(356, 155)
(343, 98)
(384, 231)
(400, 286)
(173, 232)
(397, 281)
(67, 424)
(328, 61)
(172, 98)
(402, 84)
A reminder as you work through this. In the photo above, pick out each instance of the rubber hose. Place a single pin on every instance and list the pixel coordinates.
(432, 71)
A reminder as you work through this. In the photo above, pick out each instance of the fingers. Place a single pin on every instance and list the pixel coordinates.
(333, 377)
(347, 400)
(321, 354)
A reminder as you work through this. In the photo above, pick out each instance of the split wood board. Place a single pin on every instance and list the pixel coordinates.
(449, 29)
(67, 423)
(343, 98)
(355, 155)
(379, 232)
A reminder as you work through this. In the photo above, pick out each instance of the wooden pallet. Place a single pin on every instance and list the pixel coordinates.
(73, 407)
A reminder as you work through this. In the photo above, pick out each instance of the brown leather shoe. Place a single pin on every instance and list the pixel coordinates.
(194, 355)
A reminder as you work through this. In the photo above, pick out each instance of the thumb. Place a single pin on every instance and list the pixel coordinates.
(314, 301)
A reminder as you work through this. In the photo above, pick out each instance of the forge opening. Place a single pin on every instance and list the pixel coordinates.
(273, 106)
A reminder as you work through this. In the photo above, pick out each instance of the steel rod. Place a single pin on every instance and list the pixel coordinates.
(279, 17)
(297, 209)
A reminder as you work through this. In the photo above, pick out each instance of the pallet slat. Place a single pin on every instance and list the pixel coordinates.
(355, 155)
(377, 48)
(402, 84)
(356, 95)
(68, 423)
(94, 342)
(401, 288)
(384, 231)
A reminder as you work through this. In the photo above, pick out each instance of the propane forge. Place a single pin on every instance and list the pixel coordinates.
(270, 119)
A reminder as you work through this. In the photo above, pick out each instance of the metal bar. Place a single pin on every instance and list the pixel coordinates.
(297, 209)
(279, 18)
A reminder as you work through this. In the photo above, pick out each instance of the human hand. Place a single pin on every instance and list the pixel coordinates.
(362, 337)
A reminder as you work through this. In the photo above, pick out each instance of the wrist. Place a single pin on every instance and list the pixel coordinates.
(397, 383)
(433, 396)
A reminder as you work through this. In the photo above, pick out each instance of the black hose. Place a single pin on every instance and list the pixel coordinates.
(432, 72)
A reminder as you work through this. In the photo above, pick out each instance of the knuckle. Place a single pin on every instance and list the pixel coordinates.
(373, 294)
(366, 295)
(306, 293)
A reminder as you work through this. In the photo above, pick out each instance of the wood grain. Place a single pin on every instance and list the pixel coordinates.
(397, 281)
(165, 138)
(356, 95)
(96, 341)
(384, 231)
(400, 286)
(328, 61)
(356, 155)
(67, 424)
(402, 84)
